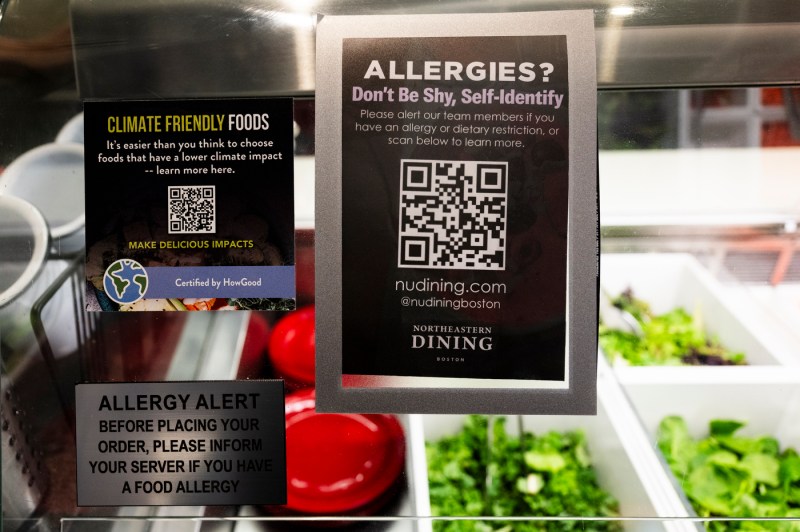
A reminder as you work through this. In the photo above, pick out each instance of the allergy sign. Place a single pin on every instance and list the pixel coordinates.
(180, 443)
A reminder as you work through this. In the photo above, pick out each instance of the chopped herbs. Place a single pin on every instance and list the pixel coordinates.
(672, 339)
(726, 475)
(545, 475)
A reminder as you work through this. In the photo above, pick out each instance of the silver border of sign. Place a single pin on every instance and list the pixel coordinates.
(428, 394)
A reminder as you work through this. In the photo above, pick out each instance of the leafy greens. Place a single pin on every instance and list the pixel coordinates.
(726, 475)
(671, 339)
(546, 475)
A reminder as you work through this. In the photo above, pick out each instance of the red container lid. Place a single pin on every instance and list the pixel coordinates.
(292, 347)
(336, 463)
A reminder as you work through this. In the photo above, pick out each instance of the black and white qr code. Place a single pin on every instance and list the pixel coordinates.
(453, 214)
(191, 209)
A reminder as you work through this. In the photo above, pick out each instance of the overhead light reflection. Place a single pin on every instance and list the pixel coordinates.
(296, 20)
(300, 6)
(622, 11)
(612, 33)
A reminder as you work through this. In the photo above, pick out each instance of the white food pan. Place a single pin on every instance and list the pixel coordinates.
(775, 310)
(669, 280)
(615, 451)
(767, 399)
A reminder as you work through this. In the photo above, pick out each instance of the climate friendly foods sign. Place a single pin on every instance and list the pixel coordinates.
(189, 205)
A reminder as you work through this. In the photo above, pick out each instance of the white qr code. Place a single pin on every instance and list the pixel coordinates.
(453, 214)
(191, 209)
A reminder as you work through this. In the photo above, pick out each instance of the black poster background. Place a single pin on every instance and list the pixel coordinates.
(528, 330)
(124, 202)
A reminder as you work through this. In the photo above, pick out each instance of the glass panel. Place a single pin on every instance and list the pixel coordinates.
(699, 210)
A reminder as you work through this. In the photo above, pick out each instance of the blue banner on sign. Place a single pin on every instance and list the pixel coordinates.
(220, 281)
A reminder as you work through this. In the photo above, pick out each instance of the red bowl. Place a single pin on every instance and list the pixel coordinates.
(292, 348)
(338, 463)
(254, 351)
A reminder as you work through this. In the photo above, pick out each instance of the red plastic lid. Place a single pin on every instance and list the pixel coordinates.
(338, 462)
(292, 346)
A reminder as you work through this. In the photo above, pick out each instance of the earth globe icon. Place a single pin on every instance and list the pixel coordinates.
(125, 281)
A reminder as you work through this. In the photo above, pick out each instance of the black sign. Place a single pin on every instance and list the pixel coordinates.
(454, 207)
(190, 200)
(466, 229)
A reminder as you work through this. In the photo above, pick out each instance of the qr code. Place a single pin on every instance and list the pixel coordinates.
(191, 209)
(452, 214)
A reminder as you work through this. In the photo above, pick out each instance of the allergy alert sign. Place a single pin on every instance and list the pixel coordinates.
(190, 205)
(180, 443)
(458, 207)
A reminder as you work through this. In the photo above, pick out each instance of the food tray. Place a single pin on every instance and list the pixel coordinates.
(766, 398)
(619, 458)
(670, 280)
(775, 310)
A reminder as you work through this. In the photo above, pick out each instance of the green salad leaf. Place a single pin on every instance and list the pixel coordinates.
(532, 475)
(671, 339)
(726, 475)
